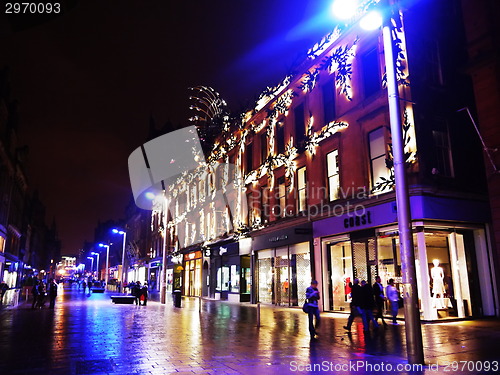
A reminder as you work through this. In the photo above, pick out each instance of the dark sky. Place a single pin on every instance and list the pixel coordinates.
(88, 81)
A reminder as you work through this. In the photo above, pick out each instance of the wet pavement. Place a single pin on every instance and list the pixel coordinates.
(87, 334)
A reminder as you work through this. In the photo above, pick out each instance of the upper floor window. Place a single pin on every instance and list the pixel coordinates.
(442, 149)
(281, 198)
(433, 72)
(264, 204)
(300, 125)
(377, 152)
(332, 167)
(301, 189)
(280, 137)
(263, 147)
(249, 157)
(328, 90)
(371, 72)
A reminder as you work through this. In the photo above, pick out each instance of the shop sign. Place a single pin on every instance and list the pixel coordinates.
(155, 264)
(358, 220)
(278, 238)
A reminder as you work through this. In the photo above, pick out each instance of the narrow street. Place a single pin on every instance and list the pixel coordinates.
(87, 334)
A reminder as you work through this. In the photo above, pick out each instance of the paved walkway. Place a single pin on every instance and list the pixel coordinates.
(90, 335)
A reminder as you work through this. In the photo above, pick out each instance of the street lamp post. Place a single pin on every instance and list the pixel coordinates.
(97, 265)
(409, 277)
(124, 234)
(92, 264)
(107, 265)
(163, 281)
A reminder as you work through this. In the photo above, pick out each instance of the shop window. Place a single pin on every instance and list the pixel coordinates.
(301, 189)
(328, 91)
(340, 275)
(377, 152)
(300, 125)
(371, 72)
(280, 137)
(442, 150)
(333, 175)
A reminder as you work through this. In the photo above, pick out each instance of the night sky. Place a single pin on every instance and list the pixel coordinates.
(89, 81)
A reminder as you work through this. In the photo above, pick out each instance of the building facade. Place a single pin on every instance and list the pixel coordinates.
(311, 195)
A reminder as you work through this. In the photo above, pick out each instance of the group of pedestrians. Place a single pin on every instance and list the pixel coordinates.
(365, 298)
(40, 292)
(140, 292)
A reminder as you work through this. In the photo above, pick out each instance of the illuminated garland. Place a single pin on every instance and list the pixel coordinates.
(314, 139)
(323, 45)
(341, 62)
(310, 80)
(385, 184)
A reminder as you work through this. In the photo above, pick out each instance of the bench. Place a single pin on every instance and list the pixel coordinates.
(123, 299)
(97, 290)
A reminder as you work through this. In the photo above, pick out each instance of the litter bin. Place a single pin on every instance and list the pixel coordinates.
(177, 298)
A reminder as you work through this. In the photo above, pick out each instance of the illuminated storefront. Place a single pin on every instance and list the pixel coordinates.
(283, 266)
(451, 257)
(192, 273)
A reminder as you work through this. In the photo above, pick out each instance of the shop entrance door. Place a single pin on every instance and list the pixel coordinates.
(364, 258)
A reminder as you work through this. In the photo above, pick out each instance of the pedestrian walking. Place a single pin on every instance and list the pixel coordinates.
(34, 292)
(312, 297)
(393, 295)
(355, 309)
(84, 286)
(136, 292)
(41, 291)
(378, 293)
(367, 304)
(144, 294)
(3, 289)
(52, 293)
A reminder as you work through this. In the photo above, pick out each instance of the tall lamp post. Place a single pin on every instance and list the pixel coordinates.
(409, 277)
(163, 281)
(124, 234)
(97, 265)
(92, 264)
(107, 265)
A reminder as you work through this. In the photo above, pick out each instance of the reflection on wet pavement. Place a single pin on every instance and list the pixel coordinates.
(87, 334)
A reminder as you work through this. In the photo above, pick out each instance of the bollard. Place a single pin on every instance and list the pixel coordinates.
(258, 314)
(199, 304)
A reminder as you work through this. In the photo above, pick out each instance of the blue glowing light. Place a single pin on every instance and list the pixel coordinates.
(344, 9)
(371, 21)
(149, 195)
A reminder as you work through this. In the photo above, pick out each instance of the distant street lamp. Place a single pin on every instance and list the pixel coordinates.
(124, 234)
(92, 264)
(97, 265)
(346, 9)
(107, 265)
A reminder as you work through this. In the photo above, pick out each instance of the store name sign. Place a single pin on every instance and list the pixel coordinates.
(278, 238)
(358, 220)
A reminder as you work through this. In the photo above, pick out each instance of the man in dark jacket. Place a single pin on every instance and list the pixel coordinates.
(355, 309)
(312, 296)
(367, 304)
(378, 293)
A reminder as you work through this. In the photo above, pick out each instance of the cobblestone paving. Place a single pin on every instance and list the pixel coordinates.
(90, 335)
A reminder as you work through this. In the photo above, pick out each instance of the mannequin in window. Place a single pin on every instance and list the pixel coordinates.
(437, 275)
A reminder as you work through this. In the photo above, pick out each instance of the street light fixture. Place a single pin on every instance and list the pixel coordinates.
(97, 265)
(124, 234)
(409, 276)
(107, 265)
